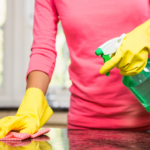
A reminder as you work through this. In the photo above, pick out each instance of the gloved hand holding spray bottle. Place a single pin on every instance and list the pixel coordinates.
(129, 53)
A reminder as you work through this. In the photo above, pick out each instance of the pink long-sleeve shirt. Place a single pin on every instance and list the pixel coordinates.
(97, 101)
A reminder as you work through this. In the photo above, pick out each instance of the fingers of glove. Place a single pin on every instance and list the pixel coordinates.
(128, 63)
(133, 71)
(4, 131)
(27, 124)
(30, 128)
(136, 65)
(126, 60)
(14, 123)
(9, 125)
(4, 120)
(112, 62)
(129, 73)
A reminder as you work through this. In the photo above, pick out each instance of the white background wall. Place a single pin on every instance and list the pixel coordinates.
(17, 43)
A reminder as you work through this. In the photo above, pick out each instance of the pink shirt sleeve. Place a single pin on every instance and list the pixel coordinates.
(43, 53)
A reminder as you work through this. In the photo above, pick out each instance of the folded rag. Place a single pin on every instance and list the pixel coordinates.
(14, 136)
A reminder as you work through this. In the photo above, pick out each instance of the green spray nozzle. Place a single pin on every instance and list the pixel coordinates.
(108, 48)
(98, 52)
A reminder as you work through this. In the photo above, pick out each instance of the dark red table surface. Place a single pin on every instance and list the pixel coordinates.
(63, 139)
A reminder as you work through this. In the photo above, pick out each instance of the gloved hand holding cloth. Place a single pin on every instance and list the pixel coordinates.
(32, 114)
(131, 57)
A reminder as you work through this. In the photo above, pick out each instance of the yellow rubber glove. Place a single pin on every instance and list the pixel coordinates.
(32, 114)
(131, 57)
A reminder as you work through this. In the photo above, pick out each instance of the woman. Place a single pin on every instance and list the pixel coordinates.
(97, 101)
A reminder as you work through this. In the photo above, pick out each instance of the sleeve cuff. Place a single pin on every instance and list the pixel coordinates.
(42, 60)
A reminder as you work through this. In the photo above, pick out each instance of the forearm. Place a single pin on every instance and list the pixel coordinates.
(38, 79)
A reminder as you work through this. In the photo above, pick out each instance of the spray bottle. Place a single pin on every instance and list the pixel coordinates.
(138, 84)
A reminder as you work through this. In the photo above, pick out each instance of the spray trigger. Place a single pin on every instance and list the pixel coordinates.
(109, 48)
(106, 58)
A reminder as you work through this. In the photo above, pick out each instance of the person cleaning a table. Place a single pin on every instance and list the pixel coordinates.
(97, 102)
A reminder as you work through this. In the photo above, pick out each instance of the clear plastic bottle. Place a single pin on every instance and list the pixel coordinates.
(139, 85)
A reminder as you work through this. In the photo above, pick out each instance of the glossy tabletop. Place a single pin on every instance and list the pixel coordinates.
(63, 139)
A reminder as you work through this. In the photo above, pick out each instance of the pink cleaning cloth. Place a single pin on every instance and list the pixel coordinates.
(14, 136)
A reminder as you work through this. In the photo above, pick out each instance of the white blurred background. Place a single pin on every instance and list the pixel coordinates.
(16, 23)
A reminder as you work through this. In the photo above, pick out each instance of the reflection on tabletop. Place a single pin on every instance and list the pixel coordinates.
(63, 139)
(108, 140)
(32, 145)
